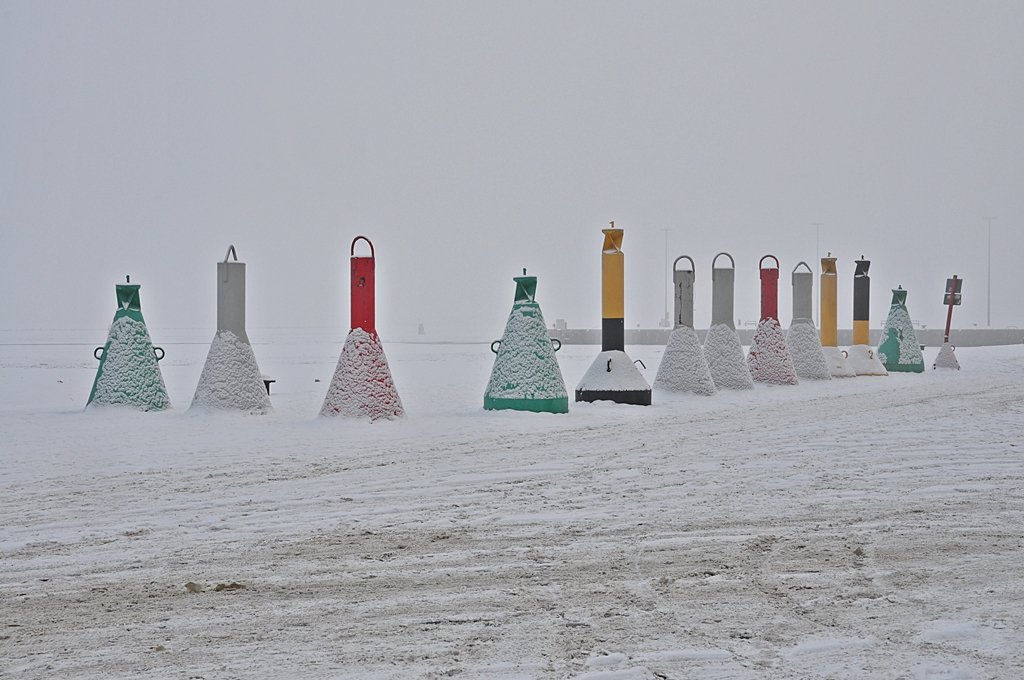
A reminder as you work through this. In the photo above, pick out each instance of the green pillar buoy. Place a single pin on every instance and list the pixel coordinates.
(128, 373)
(526, 376)
(899, 350)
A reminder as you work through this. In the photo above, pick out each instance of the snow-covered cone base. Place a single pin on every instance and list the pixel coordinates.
(946, 358)
(805, 350)
(526, 376)
(768, 359)
(838, 366)
(231, 379)
(614, 377)
(131, 375)
(864, 361)
(899, 350)
(725, 358)
(362, 386)
(683, 367)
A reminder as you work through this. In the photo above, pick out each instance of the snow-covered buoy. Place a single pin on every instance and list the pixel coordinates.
(362, 386)
(526, 376)
(683, 367)
(129, 372)
(613, 376)
(722, 347)
(836, 359)
(947, 354)
(862, 357)
(231, 378)
(802, 340)
(899, 350)
(768, 359)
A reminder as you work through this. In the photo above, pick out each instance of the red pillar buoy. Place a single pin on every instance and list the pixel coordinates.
(362, 288)
(769, 289)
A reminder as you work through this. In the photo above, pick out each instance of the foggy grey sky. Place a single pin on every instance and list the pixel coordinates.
(471, 139)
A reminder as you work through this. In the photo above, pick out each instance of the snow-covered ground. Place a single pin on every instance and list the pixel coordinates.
(868, 527)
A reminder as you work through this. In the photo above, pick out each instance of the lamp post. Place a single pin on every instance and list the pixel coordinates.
(989, 314)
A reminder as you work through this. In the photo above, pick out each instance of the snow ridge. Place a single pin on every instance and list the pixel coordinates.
(725, 358)
(231, 379)
(768, 359)
(683, 366)
(362, 386)
(805, 350)
(526, 367)
(131, 375)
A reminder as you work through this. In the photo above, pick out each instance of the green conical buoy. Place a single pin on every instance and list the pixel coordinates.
(526, 376)
(128, 374)
(899, 350)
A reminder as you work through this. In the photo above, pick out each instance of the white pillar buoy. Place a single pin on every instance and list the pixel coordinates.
(802, 338)
(683, 367)
(722, 348)
(231, 378)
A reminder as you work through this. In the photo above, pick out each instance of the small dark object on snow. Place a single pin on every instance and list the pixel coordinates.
(228, 586)
(193, 587)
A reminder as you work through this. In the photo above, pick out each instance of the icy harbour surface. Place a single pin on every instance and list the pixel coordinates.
(850, 528)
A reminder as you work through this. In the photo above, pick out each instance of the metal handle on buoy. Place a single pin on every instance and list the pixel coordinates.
(761, 261)
(161, 354)
(727, 255)
(693, 267)
(352, 250)
(496, 342)
(557, 347)
(609, 366)
(846, 355)
(231, 253)
(637, 361)
(806, 266)
(95, 356)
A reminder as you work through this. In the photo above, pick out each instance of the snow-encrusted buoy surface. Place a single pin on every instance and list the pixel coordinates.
(946, 358)
(768, 360)
(526, 376)
(805, 349)
(130, 373)
(683, 367)
(726, 360)
(864, 361)
(900, 350)
(613, 371)
(362, 386)
(837, 363)
(231, 379)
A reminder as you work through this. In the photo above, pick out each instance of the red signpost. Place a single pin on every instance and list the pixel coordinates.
(363, 288)
(951, 299)
(769, 289)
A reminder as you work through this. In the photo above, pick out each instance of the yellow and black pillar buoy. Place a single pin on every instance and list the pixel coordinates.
(836, 359)
(862, 358)
(613, 376)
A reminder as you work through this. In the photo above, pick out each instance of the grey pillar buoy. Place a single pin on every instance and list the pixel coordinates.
(803, 292)
(683, 282)
(231, 296)
(723, 285)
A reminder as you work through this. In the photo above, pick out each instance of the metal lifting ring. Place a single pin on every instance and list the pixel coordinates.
(161, 354)
(98, 357)
(352, 250)
(693, 267)
(496, 342)
(765, 258)
(807, 266)
(559, 345)
(231, 253)
(727, 255)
